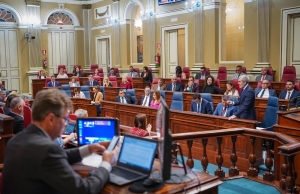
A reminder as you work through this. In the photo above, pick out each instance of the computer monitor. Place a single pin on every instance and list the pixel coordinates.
(93, 130)
(164, 139)
(69, 129)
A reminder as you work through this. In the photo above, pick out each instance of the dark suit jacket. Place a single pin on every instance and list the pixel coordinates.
(95, 83)
(246, 104)
(293, 95)
(205, 107)
(195, 88)
(178, 87)
(18, 124)
(129, 99)
(198, 75)
(149, 99)
(36, 164)
(148, 77)
(78, 75)
(271, 92)
(268, 77)
(230, 111)
(50, 84)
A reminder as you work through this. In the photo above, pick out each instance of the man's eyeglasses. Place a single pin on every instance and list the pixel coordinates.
(65, 118)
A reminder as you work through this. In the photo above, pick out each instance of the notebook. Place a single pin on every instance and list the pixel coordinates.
(135, 160)
(96, 129)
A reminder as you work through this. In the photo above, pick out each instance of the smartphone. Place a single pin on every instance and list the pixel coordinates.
(113, 143)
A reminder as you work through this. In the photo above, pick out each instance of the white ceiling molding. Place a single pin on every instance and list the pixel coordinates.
(72, 1)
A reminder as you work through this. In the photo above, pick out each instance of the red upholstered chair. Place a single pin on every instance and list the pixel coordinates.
(137, 70)
(244, 70)
(72, 117)
(186, 70)
(98, 79)
(101, 74)
(155, 81)
(129, 79)
(289, 73)
(1, 110)
(27, 116)
(222, 73)
(236, 85)
(100, 70)
(117, 71)
(207, 70)
(48, 79)
(178, 80)
(93, 67)
(149, 69)
(297, 86)
(217, 83)
(113, 81)
(61, 66)
(270, 72)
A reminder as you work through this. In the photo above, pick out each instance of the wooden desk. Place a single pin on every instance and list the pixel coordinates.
(85, 104)
(261, 105)
(6, 132)
(182, 121)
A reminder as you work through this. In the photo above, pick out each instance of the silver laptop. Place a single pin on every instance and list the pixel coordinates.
(135, 160)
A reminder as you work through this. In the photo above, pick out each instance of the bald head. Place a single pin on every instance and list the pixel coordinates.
(17, 105)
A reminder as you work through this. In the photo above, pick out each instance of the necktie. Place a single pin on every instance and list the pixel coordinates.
(173, 88)
(91, 83)
(289, 95)
(262, 94)
(224, 112)
(238, 76)
(191, 89)
(122, 100)
(197, 108)
(262, 78)
(144, 103)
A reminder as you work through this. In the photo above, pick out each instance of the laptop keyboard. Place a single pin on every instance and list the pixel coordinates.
(125, 173)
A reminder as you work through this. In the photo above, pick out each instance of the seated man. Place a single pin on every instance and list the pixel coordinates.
(2, 88)
(264, 92)
(200, 105)
(289, 93)
(112, 72)
(191, 86)
(238, 72)
(92, 82)
(264, 75)
(202, 74)
(17, 112)
(132, 73)
(224, 109)
(174, 86)
(81, 113)
(159, 86)
(125, 98)
(36, 164)
(146, 98)
(53, 83)
(2, 97)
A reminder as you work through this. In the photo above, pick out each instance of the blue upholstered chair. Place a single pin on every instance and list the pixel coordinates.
(162, 94)
(66, 88)
(86, 91)
(177, 101)
(131, 92)
(102, 91)
(208, 97)
(271, 117)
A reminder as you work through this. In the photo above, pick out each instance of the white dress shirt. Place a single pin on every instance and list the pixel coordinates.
(236, 93)
(146, 101)
(62, 76)
(266, 94)
(81, 95)
(287, 94)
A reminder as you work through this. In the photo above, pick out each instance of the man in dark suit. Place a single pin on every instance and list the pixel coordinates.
(147, 97)
(264, 75)
(264, 91)
(191, 86)
(2, 88)
(112, 72)
(290, 93)
(224, 109)
(246, 109)
(125, 98)
(159, 86)
(174, 86)
(202, 74)
(200, 105)
(17, 112)
(92, 82)
(36, 164)
(53, 83)
(238, 72)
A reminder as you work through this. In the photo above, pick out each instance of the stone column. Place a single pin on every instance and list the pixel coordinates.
(116, 33)
(87, 23)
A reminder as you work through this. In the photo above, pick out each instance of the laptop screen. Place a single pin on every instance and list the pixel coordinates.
(69, 129)
(93, 130)
(138, 153)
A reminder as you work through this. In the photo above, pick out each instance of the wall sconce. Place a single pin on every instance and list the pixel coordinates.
(111, 21)
(148, 14)
(29, 36)
(194, 6)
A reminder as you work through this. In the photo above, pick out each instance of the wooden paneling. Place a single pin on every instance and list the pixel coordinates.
(6, 132)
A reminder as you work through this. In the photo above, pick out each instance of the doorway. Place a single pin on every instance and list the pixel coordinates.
(103, 53)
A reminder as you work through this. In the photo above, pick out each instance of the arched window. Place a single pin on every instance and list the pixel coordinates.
(6, 16)
(60, 18)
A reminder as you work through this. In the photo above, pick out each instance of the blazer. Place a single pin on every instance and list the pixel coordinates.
(267, 77)
(178, 87)
(195, 88)
(18, 123)
(271, 92)
(150, 99)
(205, 107)
(198, 75)
(129, 99)
(293, 95)
(236, 76)
(230, 110)
(78, 74)
(49, 84)
(2, 88)
(95, 83)
(48, 169)
(112, 74)
(128, 85)
(246, 102)
(76, 84)
(98, 97)
(134, 74)
(155, 86)
(148, 77)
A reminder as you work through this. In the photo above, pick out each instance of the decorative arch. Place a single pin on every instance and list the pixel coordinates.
(9, 14)
(67, 16)
(129, 6)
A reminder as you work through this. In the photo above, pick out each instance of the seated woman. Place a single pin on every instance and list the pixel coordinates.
(180, 73)
(98, 98)
(78, 93)
(73, 82)
(61, 74)
(231, 91)
(42, 74)
(210, 86)
(140, 128)
(77, 72)
(96, 73)
(106, 82)
(125, 83)
(155, 99)
(146, 74)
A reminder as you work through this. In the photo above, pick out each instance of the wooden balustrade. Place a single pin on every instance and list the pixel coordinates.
(233, 170)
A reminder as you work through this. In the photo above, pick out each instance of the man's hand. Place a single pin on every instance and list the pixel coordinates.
(108, 156)
(98, 148)
(232, 117)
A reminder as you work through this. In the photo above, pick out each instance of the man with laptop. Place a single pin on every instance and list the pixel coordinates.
(33, 163)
